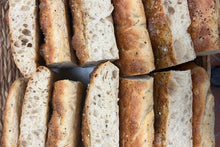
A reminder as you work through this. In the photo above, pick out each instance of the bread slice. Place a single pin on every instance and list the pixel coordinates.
(12, 113)
(136, 55)
(24, 35)
(203, 107)
(173, 109)
(33, 126)
(136, 112)
(204, 26)
(100, 126)
(94, 39)
(168, 22)
(54, 23)
(64, 126)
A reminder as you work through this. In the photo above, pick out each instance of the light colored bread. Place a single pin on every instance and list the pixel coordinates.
(33, 126)
(204, 26)
(24, 35)
(12, 113)
(54, 23)
(173, 109)
(136, 112)
(64, 126)
(100, 126)
(203, 107)
(136, 55)
(168, 23)
(94, 39)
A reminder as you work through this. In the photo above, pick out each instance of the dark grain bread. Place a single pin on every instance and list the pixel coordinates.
(54, 23)
(64, 126)
(136, 112)
(203, 107)
(135, 51)
(12, 113)
(204, 26)
(173, 109)
(168, 22)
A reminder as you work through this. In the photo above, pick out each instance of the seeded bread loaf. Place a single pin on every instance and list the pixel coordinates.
(136, 112)
(100, 125)
(12, 113)
(135, 51)
(168, 23)
(64, 126)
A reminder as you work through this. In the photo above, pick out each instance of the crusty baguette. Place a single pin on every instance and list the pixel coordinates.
(54, 23)
(94, 39)
(12, 113)
(173, 109)
(204, 26)
(136, 55)
(203, 107)
(100, 126)
(136, 112)
(33, 125)
(64, 126)
(168, 22)
(24, 35)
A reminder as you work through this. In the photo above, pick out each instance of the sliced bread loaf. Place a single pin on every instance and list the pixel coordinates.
(64, 126)
(12, 113)
(33, 126)
(94, 39)
(24, 35)
(100, 126)
(173, 109)
(136, 112)
(168, 23)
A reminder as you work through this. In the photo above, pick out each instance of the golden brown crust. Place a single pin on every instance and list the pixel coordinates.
(136, 112)
(161, 102)
(160, 34)
(204, 27)
(136, 55)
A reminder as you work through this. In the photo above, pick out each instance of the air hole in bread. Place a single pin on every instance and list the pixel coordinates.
(29, 45)
(24, 41)
(179, 2)
(25, 8)
(171, 10)
(16, 44)
(26, 32)
(114, 74)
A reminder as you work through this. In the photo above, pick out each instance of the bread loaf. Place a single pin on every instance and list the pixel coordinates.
(94, 39)
(173, 109)
(34, 117)
(100, 126)
(136, 112)
(168, 22)
(54, 23)
(136, 55)
(64, 126)
(12, 113)
(204, 26)
(24, 35)
(203, 107)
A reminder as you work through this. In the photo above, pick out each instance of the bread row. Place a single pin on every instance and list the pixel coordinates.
(141, 35)
(172, 108)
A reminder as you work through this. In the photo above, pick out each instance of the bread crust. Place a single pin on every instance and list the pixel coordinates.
(135, 51)
(60, 124)
(57, 48)
(204, 26)
(12, 113)
(136, 112)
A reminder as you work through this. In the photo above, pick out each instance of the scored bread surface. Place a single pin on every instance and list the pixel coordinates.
(64, 126)
(12, 113)
(136, 55)
(100, 126)
(54, 23)
(168, 23)
(173, 109)
(34, 117)
(136, 112)
(93, 39)
(24, 35)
